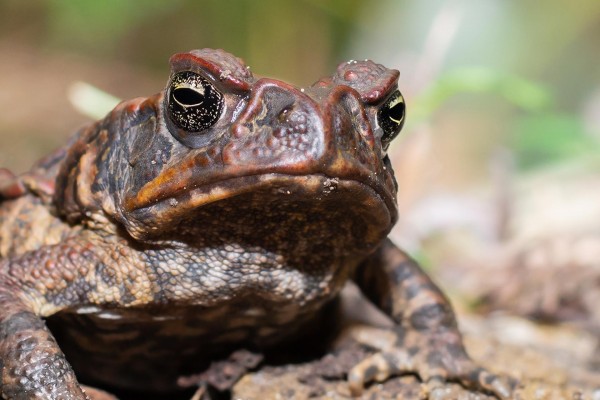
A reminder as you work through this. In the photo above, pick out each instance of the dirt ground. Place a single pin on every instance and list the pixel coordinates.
(550, 362)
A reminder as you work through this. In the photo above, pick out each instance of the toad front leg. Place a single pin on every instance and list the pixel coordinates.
(35, 285)
(427, 340)
(32, 367)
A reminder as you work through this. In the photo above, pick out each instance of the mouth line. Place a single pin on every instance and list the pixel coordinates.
(319, 186)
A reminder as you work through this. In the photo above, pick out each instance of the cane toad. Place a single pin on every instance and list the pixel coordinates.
(225, 210)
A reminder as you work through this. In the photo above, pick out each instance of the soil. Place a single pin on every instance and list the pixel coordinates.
(550, 362)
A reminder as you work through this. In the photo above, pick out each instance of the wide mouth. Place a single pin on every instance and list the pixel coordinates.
(197, 195)
(372, 202)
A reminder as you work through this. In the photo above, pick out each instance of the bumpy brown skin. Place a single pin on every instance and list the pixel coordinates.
(154, 248)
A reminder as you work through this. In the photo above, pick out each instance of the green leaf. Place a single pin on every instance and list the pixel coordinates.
(520, 92)
(544, 138)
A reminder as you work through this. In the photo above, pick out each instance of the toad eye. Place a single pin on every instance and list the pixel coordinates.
(194, 104)
(391, 118)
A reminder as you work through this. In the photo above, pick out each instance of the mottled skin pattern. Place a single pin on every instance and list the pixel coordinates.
(154, 247)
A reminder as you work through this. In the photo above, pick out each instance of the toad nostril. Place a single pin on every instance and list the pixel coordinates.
(283, 115)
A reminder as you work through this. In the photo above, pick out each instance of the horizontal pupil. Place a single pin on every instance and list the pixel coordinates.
(188, 97)
(396, 113)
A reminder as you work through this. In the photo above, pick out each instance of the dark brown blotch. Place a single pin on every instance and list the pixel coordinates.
(431, 315)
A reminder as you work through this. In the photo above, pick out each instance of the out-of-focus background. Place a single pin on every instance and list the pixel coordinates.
(498, 165)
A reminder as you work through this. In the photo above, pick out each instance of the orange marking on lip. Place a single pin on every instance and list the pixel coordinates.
(169, 182)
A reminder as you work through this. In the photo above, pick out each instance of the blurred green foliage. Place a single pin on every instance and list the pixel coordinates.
(148, 31)
(100, 25)
(518, 91)
(540, 133)
(540, 59)
(550, 137)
